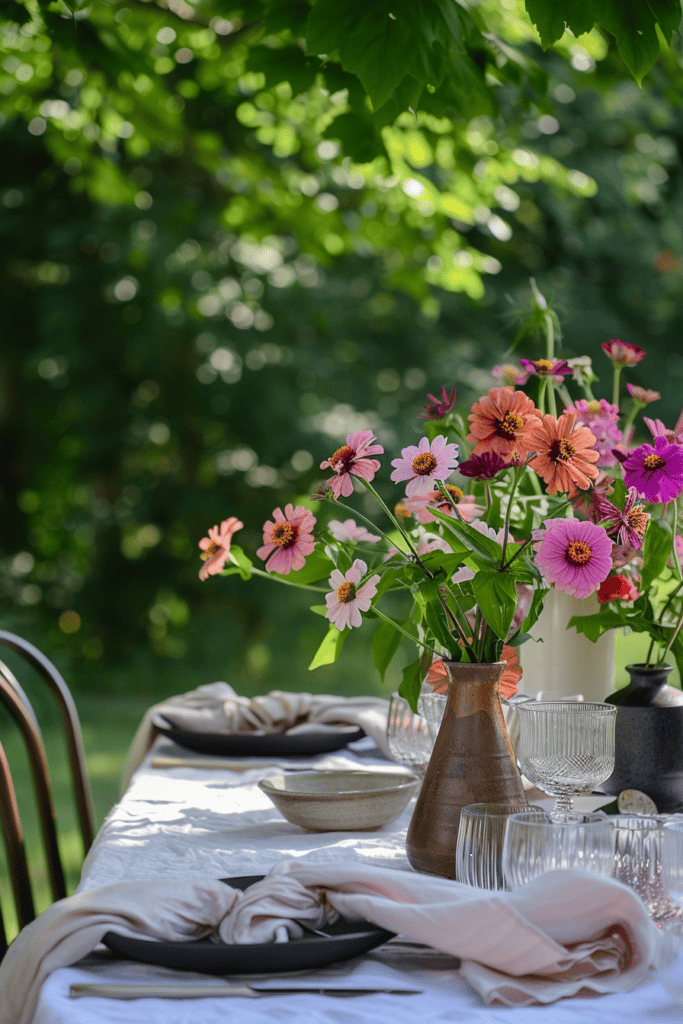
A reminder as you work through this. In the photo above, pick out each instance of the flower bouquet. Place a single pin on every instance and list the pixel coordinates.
(528, 493)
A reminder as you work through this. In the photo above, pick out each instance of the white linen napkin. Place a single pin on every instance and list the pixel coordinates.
(217, 708)
(566, 933)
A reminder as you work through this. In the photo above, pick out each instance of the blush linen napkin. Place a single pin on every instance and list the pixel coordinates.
(217, 708)
(566, 933)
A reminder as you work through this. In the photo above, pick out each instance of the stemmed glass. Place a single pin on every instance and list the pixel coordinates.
(408, 736)
(566, 748)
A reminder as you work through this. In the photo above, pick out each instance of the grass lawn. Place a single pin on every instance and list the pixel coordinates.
(109, 722)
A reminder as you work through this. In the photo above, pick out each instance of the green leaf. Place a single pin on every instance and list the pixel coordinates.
(285, 64)
(411, 683)
(551, 17)
(244, 564)
(593, 626)
(382, 46)
(318, 567)
(657, 548)
(330, 648)
(427, 595)
(385, 643)
(486, 550)
(496, 595)
(632, 23)
(12, 10)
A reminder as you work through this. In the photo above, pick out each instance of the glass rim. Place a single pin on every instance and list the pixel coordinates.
(571, 707)
(548, 823)
(484, 808)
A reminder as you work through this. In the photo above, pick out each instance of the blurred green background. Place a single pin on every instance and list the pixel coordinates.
(213, 268)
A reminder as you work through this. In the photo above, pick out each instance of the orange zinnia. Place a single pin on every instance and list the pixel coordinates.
(437, 676)
(564, 455)
(500, 422)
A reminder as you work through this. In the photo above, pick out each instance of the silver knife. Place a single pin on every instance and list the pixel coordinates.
(188, 990)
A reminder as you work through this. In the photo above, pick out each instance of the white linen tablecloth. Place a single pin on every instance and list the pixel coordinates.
(192, 823)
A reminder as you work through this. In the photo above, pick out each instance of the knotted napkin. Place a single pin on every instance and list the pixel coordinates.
(565, 933)
(216, 708)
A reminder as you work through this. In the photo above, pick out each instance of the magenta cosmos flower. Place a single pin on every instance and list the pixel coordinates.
(655, 472)
(576, 556)
(422, 464)
(216, 547)
(546, 367)
(349, 530)
(352, 460)
(622, 352)
(288, 540)
(628, 526)
(347, 599)
(437, 408)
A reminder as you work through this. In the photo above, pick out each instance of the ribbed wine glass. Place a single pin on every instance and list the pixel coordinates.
(408, 737)
(566, 748)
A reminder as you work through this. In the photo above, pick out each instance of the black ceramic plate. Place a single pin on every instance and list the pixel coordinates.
(346, 939)
(311, 741)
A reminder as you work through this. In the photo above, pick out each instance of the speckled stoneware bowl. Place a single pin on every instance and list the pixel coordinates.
(340, 801)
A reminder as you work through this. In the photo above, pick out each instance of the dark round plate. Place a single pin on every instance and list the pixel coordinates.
(345, 939)
(312, 741)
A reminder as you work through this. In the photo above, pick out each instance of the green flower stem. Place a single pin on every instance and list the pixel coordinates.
(398, 526)
(508, 512)
(588, 391)
(564, 395)
(279, 579)
(677, 561)
(517, 553)
(665, 609)
(552, 407)
(674, 634)
(540, 398)
(635, 406)
(405, 632)
(549, 337)
(462, 630)
(487, 492)
(615, 384)
(349, 508)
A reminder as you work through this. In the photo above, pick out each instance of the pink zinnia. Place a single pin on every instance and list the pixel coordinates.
(657, 429)
(642, 395)
(288, 540)
(349, 530)
(622, 352)
(422, 464)
(574, 555)
(467, 509)
(600, 416)
(347, 599)
(216, 547)
(655, 472)
(352, 460)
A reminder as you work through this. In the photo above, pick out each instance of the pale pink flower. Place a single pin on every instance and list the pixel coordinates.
(348, 599)
(349, 530)
(216, 547)
(467, 509)
(288, 540)
(657, 429)
(422, 464)
(352, 460)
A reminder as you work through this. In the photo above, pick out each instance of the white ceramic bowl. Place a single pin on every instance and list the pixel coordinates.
(340, 801)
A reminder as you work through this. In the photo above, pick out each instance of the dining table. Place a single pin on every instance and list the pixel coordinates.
(209, 819)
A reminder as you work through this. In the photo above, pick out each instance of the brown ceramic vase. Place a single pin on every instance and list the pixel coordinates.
(472, 762)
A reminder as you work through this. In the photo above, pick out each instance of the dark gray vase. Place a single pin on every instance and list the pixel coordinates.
(649, 738)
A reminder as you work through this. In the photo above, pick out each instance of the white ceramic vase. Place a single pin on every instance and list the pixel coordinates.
(567, 663)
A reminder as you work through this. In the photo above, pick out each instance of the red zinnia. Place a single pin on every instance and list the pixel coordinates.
(622, 352)
(617, 588)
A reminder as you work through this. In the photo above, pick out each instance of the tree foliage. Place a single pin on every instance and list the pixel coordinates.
(231, 233)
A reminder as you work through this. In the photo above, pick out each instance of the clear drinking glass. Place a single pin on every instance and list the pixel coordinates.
(670, 953)
(638, 863)
(533, 844)
(408, 737)
(566, 748)
(479, 846)
(432, 706)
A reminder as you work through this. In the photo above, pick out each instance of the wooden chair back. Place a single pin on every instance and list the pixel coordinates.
(70, 721)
